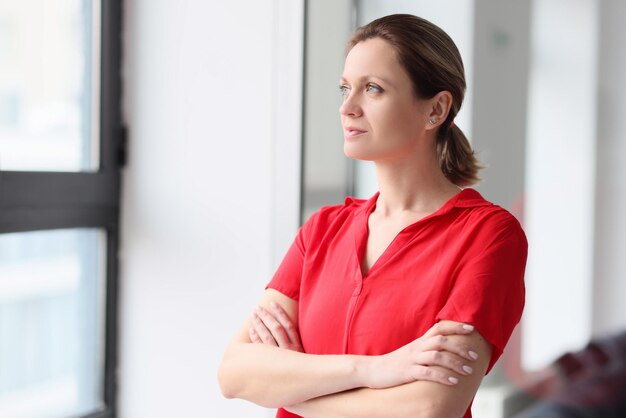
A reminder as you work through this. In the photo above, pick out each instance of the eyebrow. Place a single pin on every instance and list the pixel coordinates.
(367, 77)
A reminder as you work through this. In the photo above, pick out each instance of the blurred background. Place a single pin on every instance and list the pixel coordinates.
(157, 158)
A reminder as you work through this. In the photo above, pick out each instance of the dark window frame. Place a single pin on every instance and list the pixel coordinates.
(31, 201)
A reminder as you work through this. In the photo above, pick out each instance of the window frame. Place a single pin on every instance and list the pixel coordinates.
(32, 201)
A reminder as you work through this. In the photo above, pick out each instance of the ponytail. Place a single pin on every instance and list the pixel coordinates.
(456, 157)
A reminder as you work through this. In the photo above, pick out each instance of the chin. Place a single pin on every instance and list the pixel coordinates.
(355, 152)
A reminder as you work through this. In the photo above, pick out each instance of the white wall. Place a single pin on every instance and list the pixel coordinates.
(210, 195)
(560, 178)
(609, 284)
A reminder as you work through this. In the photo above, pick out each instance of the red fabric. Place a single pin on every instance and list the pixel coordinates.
(464, 263)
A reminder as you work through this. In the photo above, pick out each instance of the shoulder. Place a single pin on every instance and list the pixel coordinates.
(487, 222)
(330, 221)
(329, 215)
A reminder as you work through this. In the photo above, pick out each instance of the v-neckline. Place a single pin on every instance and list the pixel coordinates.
(362, 234)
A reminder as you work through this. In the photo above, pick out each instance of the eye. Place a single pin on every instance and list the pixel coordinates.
(344, 90)
(373, 88)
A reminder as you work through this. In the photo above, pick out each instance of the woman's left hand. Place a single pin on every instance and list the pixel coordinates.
(274, 328)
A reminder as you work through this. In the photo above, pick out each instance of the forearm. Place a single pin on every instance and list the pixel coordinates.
(364, 403)
(419, 399)
(273, 377)
(415, 400)
(321, 385)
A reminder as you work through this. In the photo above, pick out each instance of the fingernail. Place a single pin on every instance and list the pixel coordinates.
(468, 327)
(453, 380)
(273, 304)
(473, 355)
(468, 369)
(257, 309)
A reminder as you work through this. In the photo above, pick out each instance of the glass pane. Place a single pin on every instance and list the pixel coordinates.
(49, 82)
(326, 176)
(51, 323)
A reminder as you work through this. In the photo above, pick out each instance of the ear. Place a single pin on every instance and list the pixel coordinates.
(439, 107)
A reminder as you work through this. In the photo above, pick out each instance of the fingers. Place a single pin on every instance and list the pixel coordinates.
(271, 331)
(259, 331)
(433, 375)
(285, 321)
(451, 345)
(447, 360)
(436, 338)
(254, 337)
(449, 328)
(274, 327)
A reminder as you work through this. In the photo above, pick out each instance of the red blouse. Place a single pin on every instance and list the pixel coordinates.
(464, 262)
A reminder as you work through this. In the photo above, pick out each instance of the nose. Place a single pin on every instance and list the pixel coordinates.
(350, 106)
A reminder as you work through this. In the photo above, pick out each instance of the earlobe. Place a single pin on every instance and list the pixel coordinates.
(433, 123)
(441, 104)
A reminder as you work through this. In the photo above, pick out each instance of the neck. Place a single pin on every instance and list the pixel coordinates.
(412, 183)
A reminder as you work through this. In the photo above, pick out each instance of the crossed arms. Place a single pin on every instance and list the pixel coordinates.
(264, 364)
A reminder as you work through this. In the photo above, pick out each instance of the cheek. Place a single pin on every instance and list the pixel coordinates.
(393, 113)
(399, 125)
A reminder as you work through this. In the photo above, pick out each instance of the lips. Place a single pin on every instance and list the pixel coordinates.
(351, 131)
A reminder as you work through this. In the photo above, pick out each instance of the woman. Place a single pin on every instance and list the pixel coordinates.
(396, 305)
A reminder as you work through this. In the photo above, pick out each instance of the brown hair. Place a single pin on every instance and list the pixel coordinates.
(434, 64)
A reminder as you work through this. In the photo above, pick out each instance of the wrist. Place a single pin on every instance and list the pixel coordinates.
(362, 366)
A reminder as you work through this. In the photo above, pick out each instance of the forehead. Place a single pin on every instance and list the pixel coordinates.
(375, 57)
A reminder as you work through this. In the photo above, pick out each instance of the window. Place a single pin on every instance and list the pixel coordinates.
(61, 149)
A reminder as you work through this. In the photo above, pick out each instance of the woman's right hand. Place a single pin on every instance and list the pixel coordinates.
(274, 328)
(414, 361)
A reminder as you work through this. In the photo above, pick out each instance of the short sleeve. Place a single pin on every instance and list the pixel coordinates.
(489, 288)
(288, 276)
